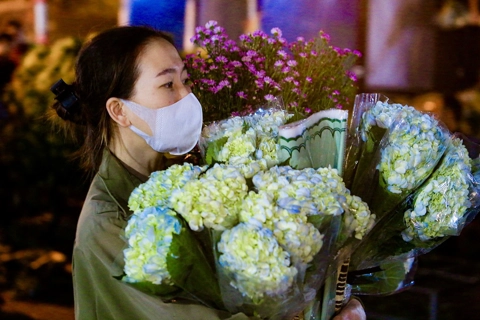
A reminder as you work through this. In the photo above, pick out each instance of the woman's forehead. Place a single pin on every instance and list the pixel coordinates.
(158, 55)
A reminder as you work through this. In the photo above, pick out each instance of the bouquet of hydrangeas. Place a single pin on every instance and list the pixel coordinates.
(439, 208)
(422, 187)
(237, 77)
(261, 234)
(396, 148)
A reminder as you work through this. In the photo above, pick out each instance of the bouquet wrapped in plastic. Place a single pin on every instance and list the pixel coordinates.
(260, 235)
(422, 188)
(393, 150)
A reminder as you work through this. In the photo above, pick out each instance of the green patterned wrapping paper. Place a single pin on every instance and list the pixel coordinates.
(317, 141)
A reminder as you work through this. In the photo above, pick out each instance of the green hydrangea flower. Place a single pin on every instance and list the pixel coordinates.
(158, 188)
(244, 139)
(358, 218)
(213, 200)
(255, 262)
(292, 231)
(415, 143)
(440, 204)
(149, 233)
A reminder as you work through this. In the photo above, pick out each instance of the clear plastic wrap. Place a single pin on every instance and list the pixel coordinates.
(422, 191)
(438, 209)
(393, 150)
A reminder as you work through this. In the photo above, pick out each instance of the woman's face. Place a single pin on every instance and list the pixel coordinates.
(162, 80)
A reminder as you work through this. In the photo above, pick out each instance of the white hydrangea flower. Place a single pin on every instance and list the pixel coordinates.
(259, 206)
(358, 217)
(269, 121)
(415, 143)
(248, 166)
(158, 188)
(213, 200)
(267, 150)
(308, 191)
(258, 266)
(384, 114)
(292, 231)
(301, 239)
(246, 139)
(149, 234)
(440, 204)
(241, 144)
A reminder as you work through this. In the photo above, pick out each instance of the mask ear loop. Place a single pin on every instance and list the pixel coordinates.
(146, 114)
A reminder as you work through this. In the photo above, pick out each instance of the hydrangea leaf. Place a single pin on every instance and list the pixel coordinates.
(191, 270)
(391, 277)
(214, 148)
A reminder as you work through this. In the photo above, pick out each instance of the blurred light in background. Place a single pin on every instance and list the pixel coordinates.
(164, 15)
(41, 21)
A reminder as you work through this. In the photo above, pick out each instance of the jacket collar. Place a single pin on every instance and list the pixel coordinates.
(118, 182)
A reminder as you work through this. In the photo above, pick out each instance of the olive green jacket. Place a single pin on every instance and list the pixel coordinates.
(98, 258)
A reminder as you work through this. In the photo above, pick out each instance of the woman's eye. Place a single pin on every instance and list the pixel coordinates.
(187, 82)
(168, 85)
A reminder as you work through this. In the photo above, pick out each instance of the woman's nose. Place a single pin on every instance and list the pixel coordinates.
(183, 91)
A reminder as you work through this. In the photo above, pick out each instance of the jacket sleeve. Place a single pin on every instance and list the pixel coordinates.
(98, 295)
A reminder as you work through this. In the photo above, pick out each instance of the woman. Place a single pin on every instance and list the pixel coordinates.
(133, 103)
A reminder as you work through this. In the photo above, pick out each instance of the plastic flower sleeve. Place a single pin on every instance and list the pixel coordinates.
(272, 232)
(357, 146)
(412, 143)
(388, 278)
(261, 275)
(302, 211)
(257, 275)
(438, 209)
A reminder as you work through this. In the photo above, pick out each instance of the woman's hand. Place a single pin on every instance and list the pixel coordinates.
(353, 310)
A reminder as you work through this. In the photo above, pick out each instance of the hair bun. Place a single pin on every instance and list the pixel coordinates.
(67, 100)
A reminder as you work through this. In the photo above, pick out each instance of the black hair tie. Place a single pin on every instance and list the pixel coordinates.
(65, 96)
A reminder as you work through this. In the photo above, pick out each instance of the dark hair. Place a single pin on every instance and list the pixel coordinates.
(5, 37)
(106, 67)
(14, 23)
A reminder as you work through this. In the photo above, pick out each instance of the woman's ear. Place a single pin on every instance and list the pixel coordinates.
(117, 113)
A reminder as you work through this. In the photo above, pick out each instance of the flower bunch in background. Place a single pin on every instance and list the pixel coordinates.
(40, 67)
(238, 76)
(32, 155)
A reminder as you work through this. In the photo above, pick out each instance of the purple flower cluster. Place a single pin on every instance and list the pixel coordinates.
(236, 77)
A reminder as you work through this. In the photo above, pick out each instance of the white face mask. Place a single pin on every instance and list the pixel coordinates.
(175, 128)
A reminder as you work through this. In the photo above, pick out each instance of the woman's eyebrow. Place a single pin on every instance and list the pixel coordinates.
(169, 70)
(166, 71)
